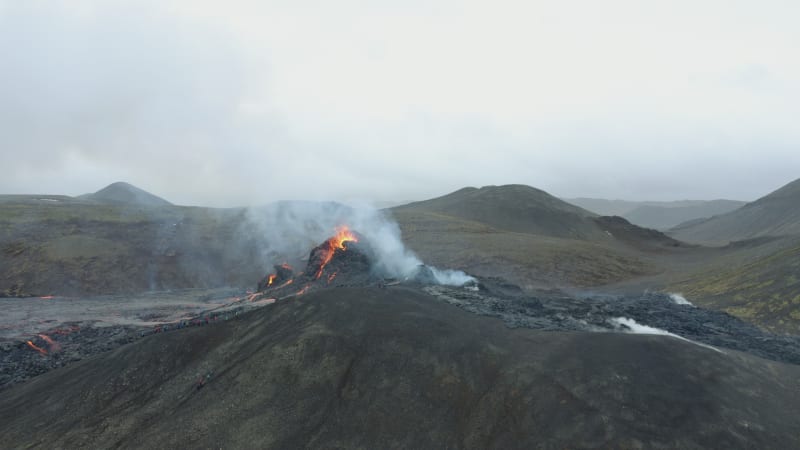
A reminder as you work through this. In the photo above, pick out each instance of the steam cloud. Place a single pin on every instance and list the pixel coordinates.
(290, 229)
(679, 299)
(631, 326)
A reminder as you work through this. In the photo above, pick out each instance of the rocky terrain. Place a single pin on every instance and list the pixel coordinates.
(39, 335)
(649, 313)
(347, 351)
(396, 368)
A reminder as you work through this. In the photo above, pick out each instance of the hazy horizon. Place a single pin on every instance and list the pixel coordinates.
(248, 102)
(376, 203)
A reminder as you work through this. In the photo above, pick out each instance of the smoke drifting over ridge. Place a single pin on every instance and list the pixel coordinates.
(289, 230)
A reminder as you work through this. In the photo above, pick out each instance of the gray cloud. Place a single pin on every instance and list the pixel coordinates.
(248, 102)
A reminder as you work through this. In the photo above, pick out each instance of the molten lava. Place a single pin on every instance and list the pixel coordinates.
(37, 348)
(54, 346)
(343, 234)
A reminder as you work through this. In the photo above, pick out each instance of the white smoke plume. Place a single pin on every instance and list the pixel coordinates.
(628, 325)
(452, 277)
(679, 299)
(289, 230)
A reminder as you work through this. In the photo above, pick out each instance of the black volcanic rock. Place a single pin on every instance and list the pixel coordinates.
(328, 266)
(283, 273)
(424, 275)
(352, 260)
(394, 368)
(559, 312)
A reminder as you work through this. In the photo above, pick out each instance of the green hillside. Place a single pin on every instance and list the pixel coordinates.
(763, 290)
(776, 214)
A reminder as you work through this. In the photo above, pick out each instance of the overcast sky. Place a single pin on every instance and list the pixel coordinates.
(232, 103)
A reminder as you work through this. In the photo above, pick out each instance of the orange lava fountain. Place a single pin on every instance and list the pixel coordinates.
(343, 234)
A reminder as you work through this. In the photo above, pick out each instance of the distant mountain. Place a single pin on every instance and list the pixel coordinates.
(658, 215)
(127, 194)
(524, 209)
(665, 217)
(529, 237)
(516, 208)
(776, 214)
(605, 207)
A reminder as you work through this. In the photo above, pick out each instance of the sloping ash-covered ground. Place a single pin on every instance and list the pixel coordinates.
(396, 368)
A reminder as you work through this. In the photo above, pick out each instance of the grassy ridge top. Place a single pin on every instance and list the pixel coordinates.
(83, 248)
(515, 208)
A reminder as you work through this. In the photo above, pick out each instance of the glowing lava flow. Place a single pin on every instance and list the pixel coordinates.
(35, 347)
(54, 346)
(343, 234)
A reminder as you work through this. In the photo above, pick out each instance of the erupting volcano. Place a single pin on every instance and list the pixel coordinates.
(324, 253)
(349, 259)
(344, 258)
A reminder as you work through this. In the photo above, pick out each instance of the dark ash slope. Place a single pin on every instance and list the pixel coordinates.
(392, 368)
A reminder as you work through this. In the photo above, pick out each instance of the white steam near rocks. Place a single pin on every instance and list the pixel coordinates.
(287, 231)
(628, 325)
(679, 299)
